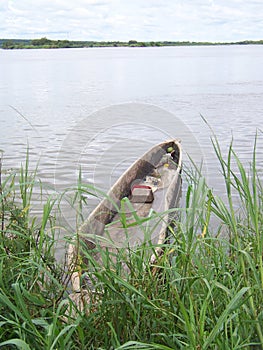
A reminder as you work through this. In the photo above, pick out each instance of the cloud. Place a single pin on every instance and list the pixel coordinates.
(195, 20)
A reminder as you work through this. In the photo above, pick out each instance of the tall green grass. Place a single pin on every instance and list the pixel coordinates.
(204, 292)
(31, 282)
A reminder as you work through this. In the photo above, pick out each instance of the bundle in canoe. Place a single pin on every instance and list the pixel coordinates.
(152, 184)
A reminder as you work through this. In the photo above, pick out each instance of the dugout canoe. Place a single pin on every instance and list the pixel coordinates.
(152, 184)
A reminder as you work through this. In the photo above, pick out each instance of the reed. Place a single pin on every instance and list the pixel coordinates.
(204, 292)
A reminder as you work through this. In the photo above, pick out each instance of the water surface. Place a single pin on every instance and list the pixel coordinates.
(100, 108)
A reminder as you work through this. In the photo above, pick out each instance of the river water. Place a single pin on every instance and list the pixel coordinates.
(100, 108)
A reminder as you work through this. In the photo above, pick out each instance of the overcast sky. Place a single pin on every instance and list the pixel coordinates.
(142, 20)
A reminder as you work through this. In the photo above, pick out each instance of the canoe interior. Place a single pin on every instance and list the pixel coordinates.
(127, 230)
(116, 219)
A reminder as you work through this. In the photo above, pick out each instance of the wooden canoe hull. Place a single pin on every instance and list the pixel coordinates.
(166, 196)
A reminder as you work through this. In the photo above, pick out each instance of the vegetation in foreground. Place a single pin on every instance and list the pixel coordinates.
(45, 43)
(205, 292)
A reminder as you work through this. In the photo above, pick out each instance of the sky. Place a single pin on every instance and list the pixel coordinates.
(124, 20)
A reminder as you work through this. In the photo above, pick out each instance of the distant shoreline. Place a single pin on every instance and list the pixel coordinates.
(44, 43)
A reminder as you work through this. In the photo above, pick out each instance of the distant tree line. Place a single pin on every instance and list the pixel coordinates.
(44, 43)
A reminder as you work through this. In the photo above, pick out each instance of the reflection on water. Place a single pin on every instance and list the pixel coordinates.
(99, 109)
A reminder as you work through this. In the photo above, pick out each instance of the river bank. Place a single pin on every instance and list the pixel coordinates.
(204, 292)
(45, 43)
